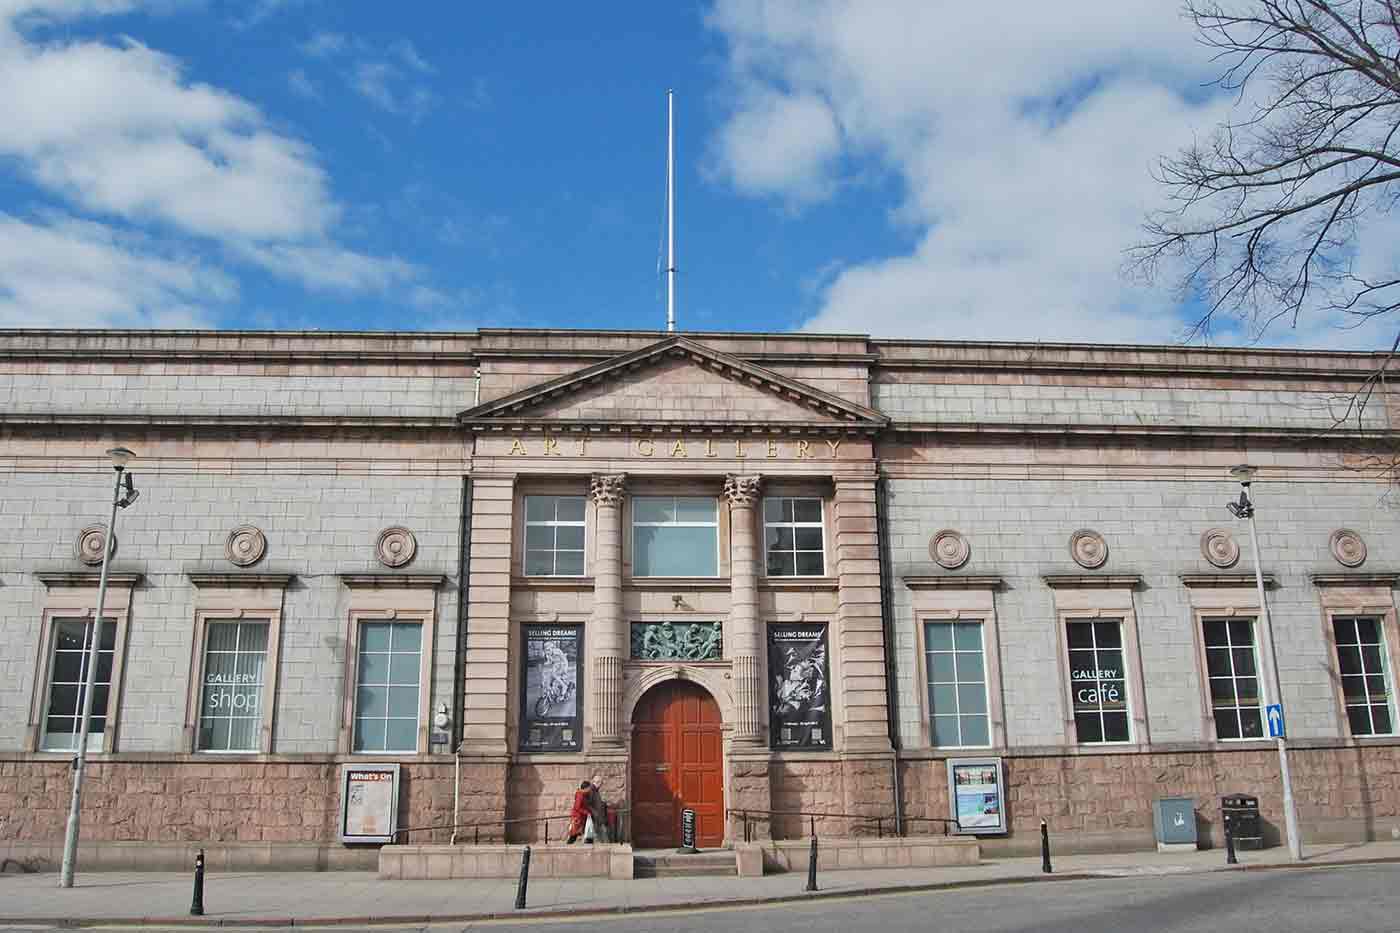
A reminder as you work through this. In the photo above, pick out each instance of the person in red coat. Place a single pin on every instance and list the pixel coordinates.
(578, 813)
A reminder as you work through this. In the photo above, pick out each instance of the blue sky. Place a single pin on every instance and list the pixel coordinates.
(840, 166)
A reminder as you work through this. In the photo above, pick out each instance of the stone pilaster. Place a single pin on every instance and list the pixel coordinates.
(486, 665)
(607, 635)
(859, 635)
(746, 633)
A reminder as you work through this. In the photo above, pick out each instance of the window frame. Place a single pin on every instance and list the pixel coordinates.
(1359, 594)
(525, 525)
(1090, 598)
(1224, 596)
(1260, 675)
(633, 525)
(1127, 679)
(236, 598)
(958, 599)
(1387, 674)
(73, 597)
(820, 525)
(396, 598)
(924, 622)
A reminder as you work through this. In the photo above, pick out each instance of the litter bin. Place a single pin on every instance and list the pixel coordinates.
(1241, 812)
(1174, 819)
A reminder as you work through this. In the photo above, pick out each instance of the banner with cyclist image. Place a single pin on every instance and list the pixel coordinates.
(551, 688)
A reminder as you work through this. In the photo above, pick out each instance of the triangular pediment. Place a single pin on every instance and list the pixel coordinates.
(676, 381)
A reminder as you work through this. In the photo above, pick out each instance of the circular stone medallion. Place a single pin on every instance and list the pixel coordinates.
(91, 540)
(949, 549)
(1088, 548)
(1348, 548)
(396, 546)
(1220, 547)
(245, 546)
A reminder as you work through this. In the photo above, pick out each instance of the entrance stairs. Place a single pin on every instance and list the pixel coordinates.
(668, 863)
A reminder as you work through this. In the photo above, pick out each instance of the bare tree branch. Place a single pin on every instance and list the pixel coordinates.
(1266, 218)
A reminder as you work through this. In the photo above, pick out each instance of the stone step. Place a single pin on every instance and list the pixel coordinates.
(666, 863)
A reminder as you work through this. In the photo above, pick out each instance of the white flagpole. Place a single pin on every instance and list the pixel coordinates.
(670, 216)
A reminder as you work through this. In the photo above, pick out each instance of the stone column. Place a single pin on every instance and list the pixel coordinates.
(607, 635)
(746, 632)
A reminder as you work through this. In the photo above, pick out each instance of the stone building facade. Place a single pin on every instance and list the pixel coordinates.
(750, 574)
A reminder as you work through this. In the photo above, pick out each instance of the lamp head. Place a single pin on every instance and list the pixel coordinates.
(120, 457)
(1243, 472)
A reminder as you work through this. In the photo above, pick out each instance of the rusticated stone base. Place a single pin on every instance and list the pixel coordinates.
(438, 863)
(838, 853)
(197, 800)
(539, 796)
(860, 788)
(1104, 802)
(750, 796)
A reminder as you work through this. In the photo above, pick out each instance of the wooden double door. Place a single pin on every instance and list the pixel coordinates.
(677, 762)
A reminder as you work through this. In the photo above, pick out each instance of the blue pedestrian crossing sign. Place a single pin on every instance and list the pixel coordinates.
(1274, 713)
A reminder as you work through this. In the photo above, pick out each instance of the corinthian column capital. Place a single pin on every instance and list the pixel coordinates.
(742, 489)
(607, 488)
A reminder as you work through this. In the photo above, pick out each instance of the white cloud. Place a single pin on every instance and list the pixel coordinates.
(323, 267)
(325, 44)
(58, 271)
(1022, 143)
(300, 84)
(384, 77)
(781, 144)
(119, 132)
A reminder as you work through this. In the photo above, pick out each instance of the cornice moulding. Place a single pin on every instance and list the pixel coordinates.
(1387, 580)
(1087, 581)
(638, 426)
(953, 581)
(1225, 579)
(1149, 430)
(234, 580)
(251, 420)
(386, 581)
(83, 578)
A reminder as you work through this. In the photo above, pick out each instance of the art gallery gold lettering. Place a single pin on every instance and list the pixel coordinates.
(675, 449)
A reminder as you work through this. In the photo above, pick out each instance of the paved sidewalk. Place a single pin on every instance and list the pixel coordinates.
(360, 898)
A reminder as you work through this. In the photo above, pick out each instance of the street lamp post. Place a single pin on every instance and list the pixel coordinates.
(123, 494)
(1244, 508)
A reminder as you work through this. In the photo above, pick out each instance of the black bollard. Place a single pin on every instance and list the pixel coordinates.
(524, 879)
(1045, 847)
(197, 904)
(1229, 843)
(812, 860)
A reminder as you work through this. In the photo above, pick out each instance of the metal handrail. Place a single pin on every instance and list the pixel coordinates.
(879, 820)
(623, 827)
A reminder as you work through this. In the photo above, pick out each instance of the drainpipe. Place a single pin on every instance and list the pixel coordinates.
(882, 532)
(464, 555)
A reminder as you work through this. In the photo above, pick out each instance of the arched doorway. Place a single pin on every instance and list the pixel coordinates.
(677, 762)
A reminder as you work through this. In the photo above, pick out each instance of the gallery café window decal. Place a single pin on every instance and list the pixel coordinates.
(1098, 681)
(799, 699)
(551, 695)
(676, 641)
